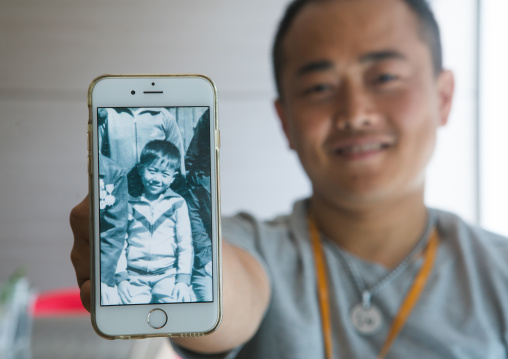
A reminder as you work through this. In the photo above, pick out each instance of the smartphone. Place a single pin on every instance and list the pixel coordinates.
(153, 143)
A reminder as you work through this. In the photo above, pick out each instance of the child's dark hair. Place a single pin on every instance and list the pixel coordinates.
(160, 150)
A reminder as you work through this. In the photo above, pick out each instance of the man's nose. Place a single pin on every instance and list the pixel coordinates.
(355, 108)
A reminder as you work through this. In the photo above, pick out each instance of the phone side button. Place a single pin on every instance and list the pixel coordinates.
(157, 318)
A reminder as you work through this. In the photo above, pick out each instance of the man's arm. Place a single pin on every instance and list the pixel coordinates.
(246, 289)
(246, 293)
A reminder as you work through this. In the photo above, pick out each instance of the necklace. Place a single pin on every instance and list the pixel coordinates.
(407, 305)
(366, 316)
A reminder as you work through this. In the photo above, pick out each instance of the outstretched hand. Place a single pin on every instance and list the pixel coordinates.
(80, 253)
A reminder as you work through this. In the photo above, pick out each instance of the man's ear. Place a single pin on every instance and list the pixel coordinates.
(279, 106)
(446, 87)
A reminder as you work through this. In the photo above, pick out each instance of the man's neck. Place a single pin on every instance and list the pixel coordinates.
(383, 233)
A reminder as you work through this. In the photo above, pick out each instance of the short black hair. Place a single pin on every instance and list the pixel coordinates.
(429, 31)
(160, 150)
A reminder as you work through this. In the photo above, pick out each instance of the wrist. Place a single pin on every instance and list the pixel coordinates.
(183, 278)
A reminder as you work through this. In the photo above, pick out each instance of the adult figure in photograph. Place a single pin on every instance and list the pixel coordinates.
(195, 188)
(361, 269)
(198, 197)
(113, 218)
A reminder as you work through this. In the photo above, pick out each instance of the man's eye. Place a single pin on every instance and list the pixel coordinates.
(385, 78)
(319, 88)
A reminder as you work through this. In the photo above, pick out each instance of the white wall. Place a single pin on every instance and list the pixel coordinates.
(494, 117)
(451, 180)
(51, 50)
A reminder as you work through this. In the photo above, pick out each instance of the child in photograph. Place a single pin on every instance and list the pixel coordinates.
(159, 255)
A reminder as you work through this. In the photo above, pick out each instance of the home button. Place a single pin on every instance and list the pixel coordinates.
(157, 318)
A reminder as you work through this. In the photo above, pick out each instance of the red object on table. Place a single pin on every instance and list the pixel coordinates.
(59, 302)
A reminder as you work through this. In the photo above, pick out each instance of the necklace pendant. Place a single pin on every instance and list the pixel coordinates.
(366, 320)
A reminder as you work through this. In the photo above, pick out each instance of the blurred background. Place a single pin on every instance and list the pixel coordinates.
(51, 50)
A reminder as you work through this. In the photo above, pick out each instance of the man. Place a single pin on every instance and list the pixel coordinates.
(361, 96)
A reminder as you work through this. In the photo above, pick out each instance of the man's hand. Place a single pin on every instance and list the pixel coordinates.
(80, 253)
(182, 292)
(245, 299)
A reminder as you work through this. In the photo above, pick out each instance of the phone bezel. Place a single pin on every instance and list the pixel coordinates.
(184, 319)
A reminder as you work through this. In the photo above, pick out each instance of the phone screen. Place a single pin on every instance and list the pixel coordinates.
(155, 205)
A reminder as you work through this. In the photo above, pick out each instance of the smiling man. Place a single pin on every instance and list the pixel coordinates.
(360, 102)
(361, 269)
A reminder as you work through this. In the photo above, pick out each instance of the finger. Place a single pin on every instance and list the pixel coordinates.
(128, 291)
(123, 297)
(80, 253)
(84, 293)
(78, 214)
(185, 296)
(179, 296)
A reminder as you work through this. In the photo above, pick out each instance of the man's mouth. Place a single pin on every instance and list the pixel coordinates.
(361, 148)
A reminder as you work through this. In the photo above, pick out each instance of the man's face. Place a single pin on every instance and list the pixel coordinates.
(361, 103)
(156, 178)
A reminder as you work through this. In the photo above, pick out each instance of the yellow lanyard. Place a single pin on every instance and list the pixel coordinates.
(405, 309)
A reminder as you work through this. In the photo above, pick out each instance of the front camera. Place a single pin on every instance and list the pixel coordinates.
(153, 83)
(133, 92)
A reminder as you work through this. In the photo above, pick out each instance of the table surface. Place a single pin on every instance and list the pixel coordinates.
(74, 338)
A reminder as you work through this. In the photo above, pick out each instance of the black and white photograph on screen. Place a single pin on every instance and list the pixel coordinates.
(155, 205)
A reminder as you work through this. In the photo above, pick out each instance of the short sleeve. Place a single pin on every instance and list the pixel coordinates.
(244, 231)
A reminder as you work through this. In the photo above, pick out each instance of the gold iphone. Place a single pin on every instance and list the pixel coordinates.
(155, 205)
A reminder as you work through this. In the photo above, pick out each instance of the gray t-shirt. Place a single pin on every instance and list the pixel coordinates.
(462, 311)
